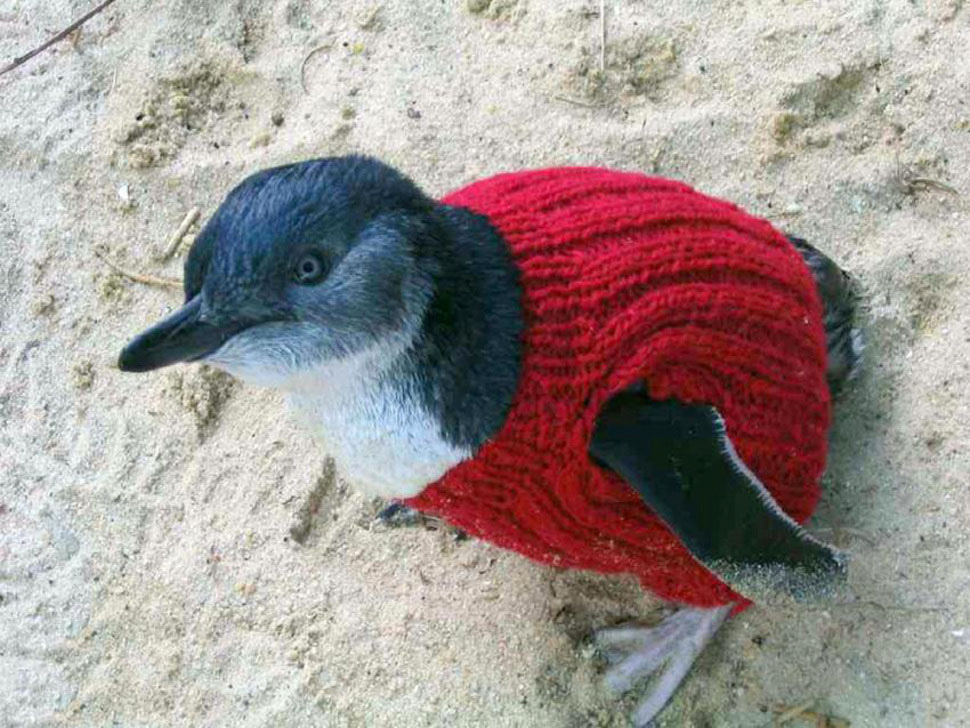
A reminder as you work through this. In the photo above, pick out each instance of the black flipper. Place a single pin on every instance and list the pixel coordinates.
(682, 462)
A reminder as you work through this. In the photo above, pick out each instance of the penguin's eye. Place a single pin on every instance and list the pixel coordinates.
(309, 269)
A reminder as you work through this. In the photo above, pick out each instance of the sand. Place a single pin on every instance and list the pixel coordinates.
(174, 550)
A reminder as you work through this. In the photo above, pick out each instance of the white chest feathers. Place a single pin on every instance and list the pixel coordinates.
(383, 442)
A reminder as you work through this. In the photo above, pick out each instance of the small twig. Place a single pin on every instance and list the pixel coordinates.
(933, 184)
(60, 36)
(910, 184)
(306, 59)
(907, 609)
(788, 713)
(577, 102)
(602, 35)
(148, 280)
(173, 242)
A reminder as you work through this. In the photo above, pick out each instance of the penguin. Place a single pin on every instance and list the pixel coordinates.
(597, 369)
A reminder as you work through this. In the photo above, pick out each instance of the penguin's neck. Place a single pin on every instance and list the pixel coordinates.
(398, 416)
(467, 355)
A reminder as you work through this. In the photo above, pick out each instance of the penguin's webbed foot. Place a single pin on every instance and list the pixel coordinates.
(397, 514)
(671, 647)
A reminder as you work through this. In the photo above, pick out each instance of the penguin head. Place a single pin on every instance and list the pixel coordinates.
(301, 266)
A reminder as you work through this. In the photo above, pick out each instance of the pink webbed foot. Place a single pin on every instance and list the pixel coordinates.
(671, 647)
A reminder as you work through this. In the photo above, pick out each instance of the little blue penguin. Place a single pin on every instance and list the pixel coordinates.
(597, 369)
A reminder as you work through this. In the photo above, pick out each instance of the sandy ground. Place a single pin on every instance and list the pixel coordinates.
(173, 550)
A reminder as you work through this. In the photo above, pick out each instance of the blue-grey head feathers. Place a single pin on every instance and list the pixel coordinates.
(423, 292)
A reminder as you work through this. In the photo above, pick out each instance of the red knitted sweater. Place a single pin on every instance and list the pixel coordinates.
(630, 278)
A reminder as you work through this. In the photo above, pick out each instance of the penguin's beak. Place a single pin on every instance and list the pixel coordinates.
(183, 336)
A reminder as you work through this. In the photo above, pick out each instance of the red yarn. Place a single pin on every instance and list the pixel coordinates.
(630, 278)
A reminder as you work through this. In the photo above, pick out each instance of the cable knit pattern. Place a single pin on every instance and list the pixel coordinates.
(629, 278)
